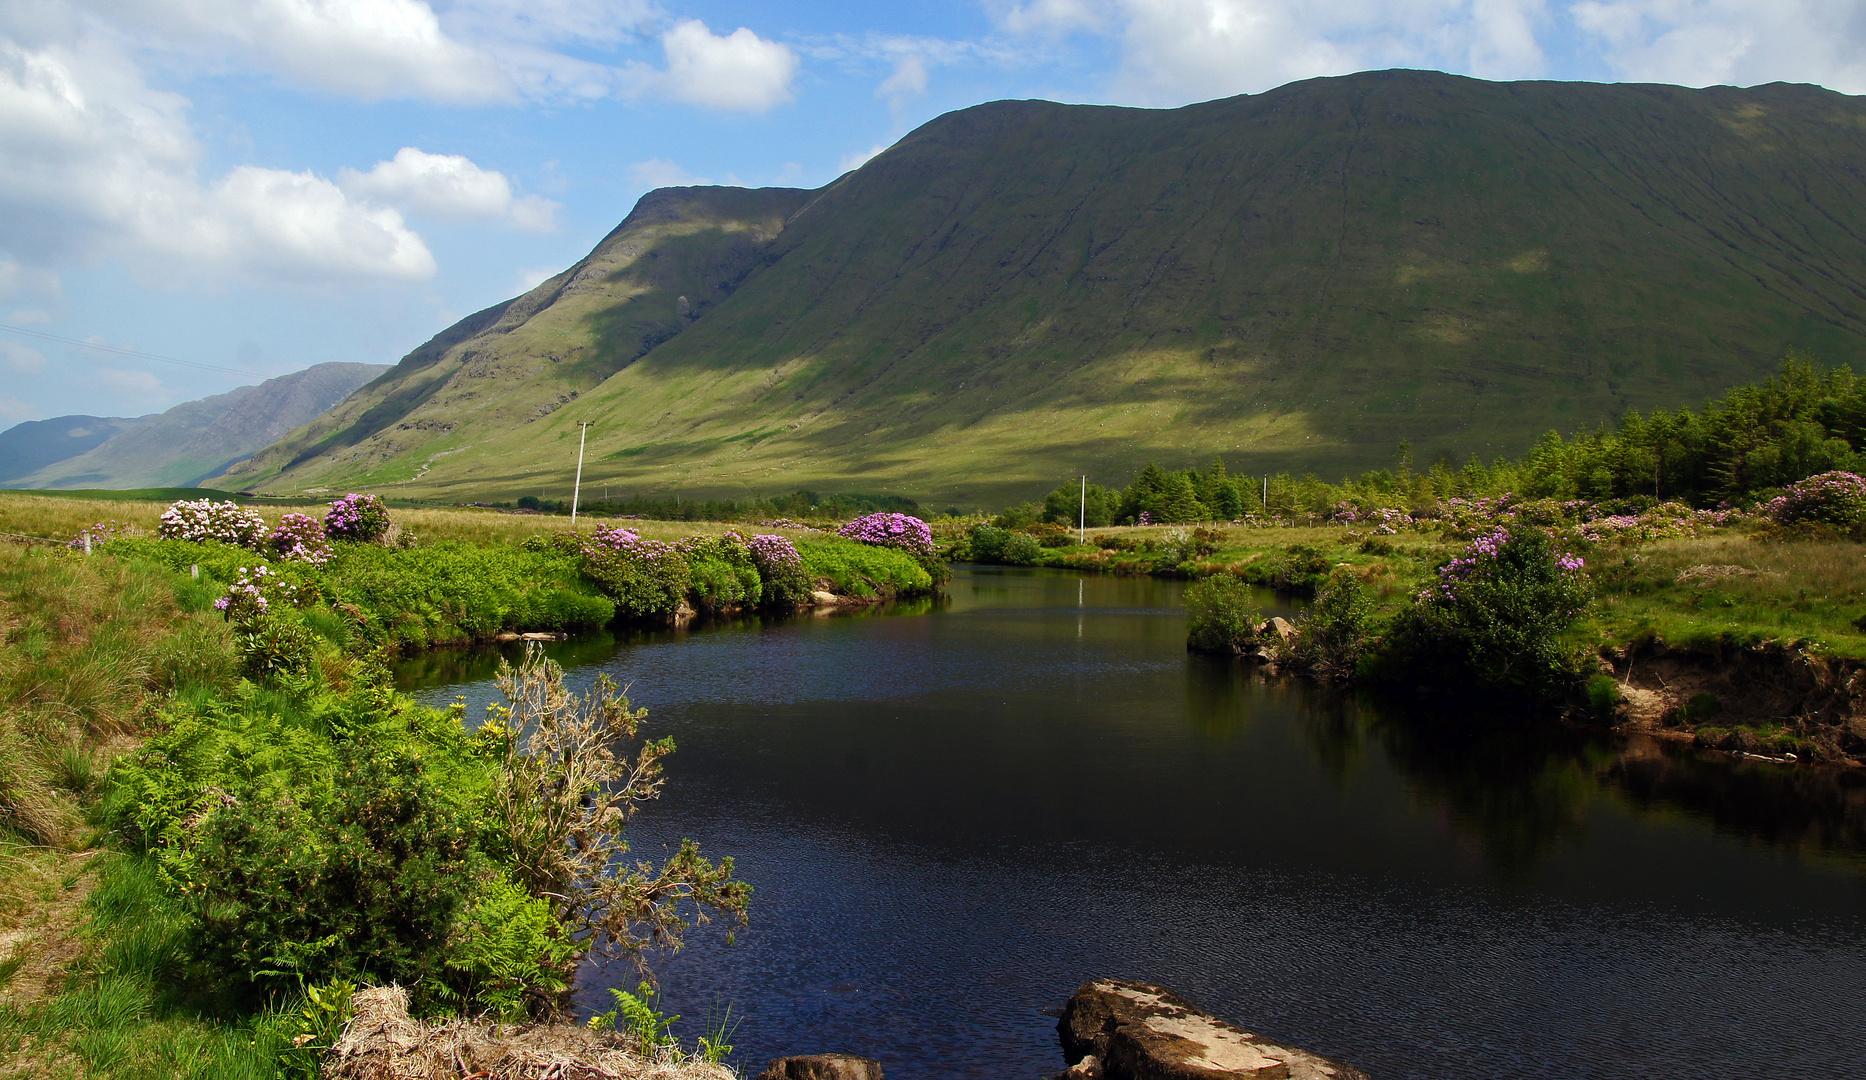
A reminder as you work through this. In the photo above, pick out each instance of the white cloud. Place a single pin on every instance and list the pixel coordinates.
(100, 165)
(909, 80)
(860, 158)
(17, 281)
(15, 410)
(1174, 51)
(1705, 42)
(136, 390)
(660, 173)
(530, 277)
(1055, 17)
(19, 358)
(362, 48)
(739, 71)
(448, 187)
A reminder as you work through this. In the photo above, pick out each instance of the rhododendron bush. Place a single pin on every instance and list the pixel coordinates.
(1499, 609)
(300, 538)
(362, 518)
(903, 531)
(205, 520)
(1832, 498)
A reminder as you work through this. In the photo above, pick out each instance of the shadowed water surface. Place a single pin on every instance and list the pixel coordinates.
(954, 813)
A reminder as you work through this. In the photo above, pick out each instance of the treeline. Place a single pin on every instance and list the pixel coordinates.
(798, 504)
(1741, 449)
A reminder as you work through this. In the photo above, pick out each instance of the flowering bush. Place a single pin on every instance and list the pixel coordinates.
(100, 532)
(1500, 607)
(781, 569)
(204, 520)
(614, 536)
(903, 531)
(1832, 498)
(259, 591)
(300, 538)
(362, 518)
(643, 577)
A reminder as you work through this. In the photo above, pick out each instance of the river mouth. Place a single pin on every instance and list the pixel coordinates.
(953, 813)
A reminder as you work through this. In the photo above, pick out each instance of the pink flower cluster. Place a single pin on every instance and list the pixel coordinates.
(775, 555)
(300, 538)
(787, 523)
(1836, 498)
(614, 536)
(1476, 559)
(204, 519)
(246, 598)
(100, 532)
(362, 518)
(902, 531)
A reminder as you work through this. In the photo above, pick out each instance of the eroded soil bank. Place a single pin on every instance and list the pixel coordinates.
(1766, 700)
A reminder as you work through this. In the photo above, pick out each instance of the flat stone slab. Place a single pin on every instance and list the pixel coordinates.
(1139, 1031)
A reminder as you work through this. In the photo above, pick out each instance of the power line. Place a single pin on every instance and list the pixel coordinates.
(127, 352)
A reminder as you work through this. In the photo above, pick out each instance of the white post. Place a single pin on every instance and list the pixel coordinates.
(1082, 515)
(1266, 493)
(87, 543)
(578, 489)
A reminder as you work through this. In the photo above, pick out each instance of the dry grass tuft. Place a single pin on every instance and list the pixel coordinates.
(382, 1042)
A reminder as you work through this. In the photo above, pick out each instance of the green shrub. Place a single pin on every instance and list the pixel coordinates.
(1298, 570)
(1603, 694)
(1497, 612)
(1221, 615)
(721, 571)
(1335, 631)
(358, 878)
(1021, 549)
(647, 579)
(854, 569)
(985, 543)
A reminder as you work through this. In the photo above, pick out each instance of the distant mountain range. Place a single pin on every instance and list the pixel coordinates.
(179, 448)
(1022, 292)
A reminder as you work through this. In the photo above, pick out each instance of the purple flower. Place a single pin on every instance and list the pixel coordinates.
(902, 531)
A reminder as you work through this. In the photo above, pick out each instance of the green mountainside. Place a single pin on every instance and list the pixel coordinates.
(184, 445)
(1024, 291)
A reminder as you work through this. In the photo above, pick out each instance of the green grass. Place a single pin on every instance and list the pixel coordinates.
(120, 1014)
(1023, 292)
(1810, 591)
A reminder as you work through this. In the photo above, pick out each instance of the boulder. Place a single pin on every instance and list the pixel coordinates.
(824, 597)
(822, 1067)
(1281, 627)
(1138, 1031)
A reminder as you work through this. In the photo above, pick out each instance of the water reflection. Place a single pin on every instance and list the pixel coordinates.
(955, 812)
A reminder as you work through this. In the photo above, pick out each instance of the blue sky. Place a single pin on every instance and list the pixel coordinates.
(262, 185)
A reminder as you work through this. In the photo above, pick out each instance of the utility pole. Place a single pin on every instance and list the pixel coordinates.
(1082, 515)
(582, 438)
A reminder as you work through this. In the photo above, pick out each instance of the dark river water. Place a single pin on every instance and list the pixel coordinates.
(955, 813)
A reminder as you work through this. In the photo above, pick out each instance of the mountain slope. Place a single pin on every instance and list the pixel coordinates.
(32, 445)
(680, 253)
(196, 439)
(1299, 279)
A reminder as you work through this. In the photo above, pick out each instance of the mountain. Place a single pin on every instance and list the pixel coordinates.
(1023, 291)
(32, 445)
(198, 439)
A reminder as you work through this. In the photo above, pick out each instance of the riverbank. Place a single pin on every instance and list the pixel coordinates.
(1751, 635)
(220, 817)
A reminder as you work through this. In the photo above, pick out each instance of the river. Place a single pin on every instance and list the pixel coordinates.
(955, 812)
